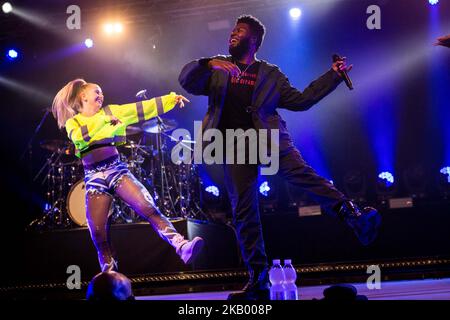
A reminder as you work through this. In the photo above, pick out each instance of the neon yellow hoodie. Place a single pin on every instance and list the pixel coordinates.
(88, 131)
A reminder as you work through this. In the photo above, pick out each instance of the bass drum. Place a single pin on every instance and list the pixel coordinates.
(76, 203)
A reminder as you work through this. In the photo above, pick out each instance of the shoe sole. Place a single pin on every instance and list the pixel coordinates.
(197, 246)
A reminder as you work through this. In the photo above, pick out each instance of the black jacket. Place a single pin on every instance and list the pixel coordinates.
(272, 90)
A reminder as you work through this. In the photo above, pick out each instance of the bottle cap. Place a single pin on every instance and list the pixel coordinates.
(287, 261)
(276, 261)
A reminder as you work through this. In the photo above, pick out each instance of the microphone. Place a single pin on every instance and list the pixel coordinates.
(142, 94)
(344, 74)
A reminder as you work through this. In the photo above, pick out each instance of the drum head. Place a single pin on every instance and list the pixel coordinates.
(76, 203)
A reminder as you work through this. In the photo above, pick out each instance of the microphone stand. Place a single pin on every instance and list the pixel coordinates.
(159, 147)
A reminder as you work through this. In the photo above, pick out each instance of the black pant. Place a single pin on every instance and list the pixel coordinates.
(241, 182)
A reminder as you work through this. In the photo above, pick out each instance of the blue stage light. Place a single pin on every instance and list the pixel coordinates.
(295, 13)
(264, 188)
(387, 178)
(213, 190)
(432, 2)
(12, 54)
(446, 172)
(89, 43)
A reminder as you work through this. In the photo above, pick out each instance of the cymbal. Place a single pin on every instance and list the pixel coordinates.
(155, 126)
(59, 146)
(131, 130)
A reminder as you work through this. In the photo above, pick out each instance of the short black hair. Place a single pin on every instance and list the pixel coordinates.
(256, 27)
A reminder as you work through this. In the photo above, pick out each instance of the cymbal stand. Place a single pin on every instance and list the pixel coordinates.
(48, 164)
(150, 180)
(185, 179)
(54, 215)
(29, 150)
(167, 206)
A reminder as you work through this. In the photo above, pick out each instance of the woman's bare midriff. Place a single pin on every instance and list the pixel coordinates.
(99, 154)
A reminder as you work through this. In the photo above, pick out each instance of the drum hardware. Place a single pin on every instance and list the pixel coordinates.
(76, 207)
(162, 193)
(164, 200)
(59, 178)
(158, 125)
(173, 183)
(133, 130)
(58, 146)
(174, 186)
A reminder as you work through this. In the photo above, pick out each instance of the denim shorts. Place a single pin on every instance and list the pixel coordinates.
(104, 176)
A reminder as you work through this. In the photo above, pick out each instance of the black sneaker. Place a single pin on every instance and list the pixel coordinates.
(257, 288)
(365, 223)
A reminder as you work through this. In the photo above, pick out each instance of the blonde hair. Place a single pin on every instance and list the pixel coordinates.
(67, 102)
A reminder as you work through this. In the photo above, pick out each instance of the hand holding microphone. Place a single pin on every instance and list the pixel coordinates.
(443, 41)
(341, 68)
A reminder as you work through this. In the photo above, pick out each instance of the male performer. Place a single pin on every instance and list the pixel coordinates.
(244, 92)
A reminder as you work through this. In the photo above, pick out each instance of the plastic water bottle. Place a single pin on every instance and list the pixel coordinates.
(276, 277)
(290, 276)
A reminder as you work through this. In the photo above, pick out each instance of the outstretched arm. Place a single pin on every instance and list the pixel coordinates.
(293, 99)
(143, 110)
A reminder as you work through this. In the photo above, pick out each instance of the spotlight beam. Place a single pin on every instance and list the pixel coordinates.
(27, 89)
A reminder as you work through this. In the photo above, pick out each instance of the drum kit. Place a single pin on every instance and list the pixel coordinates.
(174, 186)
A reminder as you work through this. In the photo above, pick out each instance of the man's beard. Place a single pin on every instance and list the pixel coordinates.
(241, 49)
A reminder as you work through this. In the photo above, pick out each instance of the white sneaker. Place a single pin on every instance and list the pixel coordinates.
(189, 251)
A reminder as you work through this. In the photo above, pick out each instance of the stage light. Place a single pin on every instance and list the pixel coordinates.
(444, 182)
(113, 28)
(264, 188)
(89, 43)
(433, 2)
(211, 199)
(295, 13)
(445, 174)
(12, 54)
(386, 187)
(213, 190)
(386, 178)
(268, 194)
(118, 27)
(7, 7)
(109, 28)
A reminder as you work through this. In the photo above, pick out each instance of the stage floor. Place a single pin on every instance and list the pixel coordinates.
(438, 289)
